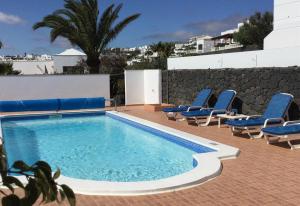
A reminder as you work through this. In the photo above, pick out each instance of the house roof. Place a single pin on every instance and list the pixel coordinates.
(71, 52)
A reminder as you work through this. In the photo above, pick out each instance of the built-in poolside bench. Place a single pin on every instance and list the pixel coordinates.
(52, 104)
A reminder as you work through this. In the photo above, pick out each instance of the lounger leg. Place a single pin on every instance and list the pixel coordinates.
(207, 122)
(259, 136)
(171, 115)
(293, 146)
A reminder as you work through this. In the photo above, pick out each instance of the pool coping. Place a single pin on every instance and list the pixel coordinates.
(208, 166)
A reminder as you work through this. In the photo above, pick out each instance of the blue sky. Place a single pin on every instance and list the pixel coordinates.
(161, 20)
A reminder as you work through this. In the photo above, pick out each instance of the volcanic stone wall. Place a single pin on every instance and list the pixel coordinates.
(254, 87)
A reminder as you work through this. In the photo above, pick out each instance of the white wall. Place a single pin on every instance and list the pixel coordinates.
(152, 87)
(54, 86)
(134, 87)
(283, 57)
(286, 31)
(60, 61)
(33, 67)
(143, 87)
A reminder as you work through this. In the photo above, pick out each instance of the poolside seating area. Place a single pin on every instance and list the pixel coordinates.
(271, 124)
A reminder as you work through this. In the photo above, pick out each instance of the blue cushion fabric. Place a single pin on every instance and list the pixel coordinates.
(278, 106)
(201, 113)
(200, 101)
(202, 98)
(224, 100)
(52, 104)
(176, 109)
(283, 130)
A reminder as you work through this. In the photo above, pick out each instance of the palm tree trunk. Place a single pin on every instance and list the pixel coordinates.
(93, 64)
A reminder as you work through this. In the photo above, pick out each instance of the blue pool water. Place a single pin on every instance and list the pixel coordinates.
(98, 147)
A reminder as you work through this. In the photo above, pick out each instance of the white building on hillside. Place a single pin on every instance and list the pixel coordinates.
(195, 45)
(67, 59)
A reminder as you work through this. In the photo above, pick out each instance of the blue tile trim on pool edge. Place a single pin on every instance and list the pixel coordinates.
(172, 138)
(47, 116)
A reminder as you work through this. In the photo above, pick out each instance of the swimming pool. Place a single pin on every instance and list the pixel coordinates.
(97, 147)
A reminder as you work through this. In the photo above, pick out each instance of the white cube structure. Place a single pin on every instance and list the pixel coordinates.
(286, 31)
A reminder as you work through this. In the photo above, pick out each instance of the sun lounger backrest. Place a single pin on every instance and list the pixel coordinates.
(278, 105)
(225, 99)
(202, 98)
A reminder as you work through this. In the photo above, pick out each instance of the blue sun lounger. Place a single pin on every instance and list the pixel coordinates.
(201, 101)
(288, 132)
(274, 114)
(222, 106)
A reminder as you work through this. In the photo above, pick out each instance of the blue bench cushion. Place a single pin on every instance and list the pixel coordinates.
(283, 130)
(52, 104)
(41, 105)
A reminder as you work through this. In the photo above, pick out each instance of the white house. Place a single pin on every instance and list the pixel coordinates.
(281, 47)
(68, 58)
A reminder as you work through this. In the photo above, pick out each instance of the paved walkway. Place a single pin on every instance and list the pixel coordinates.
(262, 174)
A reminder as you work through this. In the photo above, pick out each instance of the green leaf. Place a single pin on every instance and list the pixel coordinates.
(56, 174)
(45, 167)
(20, 165)
(32, 191)
(12, 180)
(9, 186)
(11, 200)
(69, 194)
(62, 195)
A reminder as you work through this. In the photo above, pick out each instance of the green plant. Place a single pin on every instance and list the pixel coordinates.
(79, 22)
(7, 69)
(40, 184)
(255, 30)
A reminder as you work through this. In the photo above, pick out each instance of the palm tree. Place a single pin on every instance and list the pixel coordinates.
(79, 22)
(1, 44)
(164, 49)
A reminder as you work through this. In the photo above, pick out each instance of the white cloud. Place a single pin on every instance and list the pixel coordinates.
(10, 19)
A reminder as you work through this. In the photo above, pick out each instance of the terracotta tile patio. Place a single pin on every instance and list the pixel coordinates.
(262, 174)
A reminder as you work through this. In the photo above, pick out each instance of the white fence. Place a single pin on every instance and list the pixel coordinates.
(284, 57)
(142, 87)
(54, 86)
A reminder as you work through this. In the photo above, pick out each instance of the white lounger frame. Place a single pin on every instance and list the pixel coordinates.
(212, 114)
(271, 138)
(238, 130)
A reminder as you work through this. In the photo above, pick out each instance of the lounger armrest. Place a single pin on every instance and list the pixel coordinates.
(272, 119)
(291, 122)
(181, 106)
(219, 110)
(253, 116)
(194, 108)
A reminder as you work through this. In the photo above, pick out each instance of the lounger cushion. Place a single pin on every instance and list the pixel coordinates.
(200, 101)
(200, 113)
(278, 106)
(202, 98)
(283, 130)
(250, 122)
(224, 100)
(176, 109)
